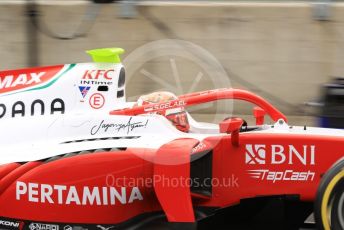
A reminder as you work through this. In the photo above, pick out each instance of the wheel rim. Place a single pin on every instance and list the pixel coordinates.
(340, 210)
(326, 203)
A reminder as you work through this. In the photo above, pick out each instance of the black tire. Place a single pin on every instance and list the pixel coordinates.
(327, 203)
(338, 211)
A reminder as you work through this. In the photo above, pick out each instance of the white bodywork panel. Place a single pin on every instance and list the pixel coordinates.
(34, 128)
(32, 131)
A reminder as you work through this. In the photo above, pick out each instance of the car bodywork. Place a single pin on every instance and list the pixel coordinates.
(75, 153)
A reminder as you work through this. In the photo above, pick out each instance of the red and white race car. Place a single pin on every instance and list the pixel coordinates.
(76, 155)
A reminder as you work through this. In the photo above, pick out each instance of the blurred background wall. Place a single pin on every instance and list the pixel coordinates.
(278, 50)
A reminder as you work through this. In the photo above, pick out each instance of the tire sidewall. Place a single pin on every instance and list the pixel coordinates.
(337, 191)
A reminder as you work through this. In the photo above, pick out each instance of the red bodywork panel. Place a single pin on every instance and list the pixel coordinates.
(230, 172)
(171, 162)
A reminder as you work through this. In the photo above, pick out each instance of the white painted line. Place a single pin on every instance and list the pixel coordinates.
(236, 3)
(229, 3)
(42, 2)
(179, 3)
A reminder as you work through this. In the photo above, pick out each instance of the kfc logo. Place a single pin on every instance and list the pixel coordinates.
(99, 74)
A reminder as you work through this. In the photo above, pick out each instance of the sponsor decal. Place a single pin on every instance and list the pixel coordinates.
(68, 227)
(37, 107)
(286, 175)
(26, 78)
(73, 195)
(84, 90)
(198, 148)
(105, 228)
(213, 91)
(261, 154)
(167, 105)
(97, 101)
(39, 226)
(98, 77)
(279, 154)
(11, 224)
(255, 154)
(128, 127)
(79, 228)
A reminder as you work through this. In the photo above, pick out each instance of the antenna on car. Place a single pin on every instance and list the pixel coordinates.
(108, 55)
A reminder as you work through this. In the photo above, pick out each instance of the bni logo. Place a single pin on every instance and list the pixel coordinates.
(255, 154)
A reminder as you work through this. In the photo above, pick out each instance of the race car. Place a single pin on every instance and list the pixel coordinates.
(76, 155)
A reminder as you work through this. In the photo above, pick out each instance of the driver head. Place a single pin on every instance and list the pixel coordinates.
(177, 116)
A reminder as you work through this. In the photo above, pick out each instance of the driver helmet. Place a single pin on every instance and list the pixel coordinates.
(177, 116)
